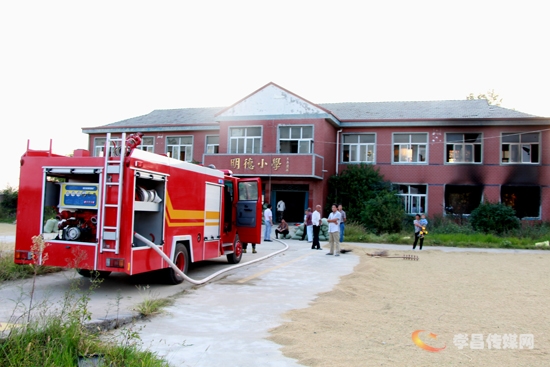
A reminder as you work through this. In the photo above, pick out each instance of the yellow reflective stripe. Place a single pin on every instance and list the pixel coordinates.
(212, 215)
(174, 216)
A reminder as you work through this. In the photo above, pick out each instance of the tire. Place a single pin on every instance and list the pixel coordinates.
(237, 254)
(181, 259)
(101, 274)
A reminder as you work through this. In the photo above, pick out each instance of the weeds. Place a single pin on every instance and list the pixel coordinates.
(58, 335)
(11, 271)
(151, 304)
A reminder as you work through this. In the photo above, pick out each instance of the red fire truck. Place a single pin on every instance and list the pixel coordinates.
(189, 212)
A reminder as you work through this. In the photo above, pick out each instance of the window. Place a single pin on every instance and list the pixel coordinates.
(180, 147)
(147, 144)
(358, 148)
(410, 148)
(463, 148)
(99, 146)
(524, 199)
(245, 140)
(462, 199)
(520, 148)
(413, 197)
(296, 139)
(212, 144)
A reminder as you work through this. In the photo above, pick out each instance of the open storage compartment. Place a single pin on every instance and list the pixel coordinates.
(149, 206)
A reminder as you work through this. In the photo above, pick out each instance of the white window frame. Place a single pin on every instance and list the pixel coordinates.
(99, 145)
(409, 148)
(147, 144)
(296, 133)
(175, 149)
(463, 151)
(519, 152)
(414, 202)
(359, 152)
(245, 142)
(212, 147)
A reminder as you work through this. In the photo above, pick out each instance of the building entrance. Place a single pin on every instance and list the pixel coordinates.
(295, 198)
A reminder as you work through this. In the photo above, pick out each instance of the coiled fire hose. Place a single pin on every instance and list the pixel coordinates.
(202, 281)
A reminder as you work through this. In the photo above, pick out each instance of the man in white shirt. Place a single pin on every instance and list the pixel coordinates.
(342, 223)
(334, 231)
(281, 207)
(268, 221)
(316, 219)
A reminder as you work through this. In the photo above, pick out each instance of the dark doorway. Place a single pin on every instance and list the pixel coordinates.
(294, 202)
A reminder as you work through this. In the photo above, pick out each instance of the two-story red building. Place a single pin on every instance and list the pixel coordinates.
(438, 153)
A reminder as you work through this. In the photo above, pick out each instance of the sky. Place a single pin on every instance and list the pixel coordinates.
(66, 65)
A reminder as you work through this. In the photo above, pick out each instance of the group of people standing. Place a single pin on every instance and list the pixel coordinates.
(312, 226)
(336, 225)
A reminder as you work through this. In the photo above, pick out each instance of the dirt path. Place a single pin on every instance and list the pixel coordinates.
(7, 229)
(369, 318)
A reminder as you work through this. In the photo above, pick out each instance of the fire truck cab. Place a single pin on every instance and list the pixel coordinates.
(189, 212)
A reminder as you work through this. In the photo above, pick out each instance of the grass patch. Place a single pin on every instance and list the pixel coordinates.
(11, 271)
(152, 304)
(57, 335)
(447, 232)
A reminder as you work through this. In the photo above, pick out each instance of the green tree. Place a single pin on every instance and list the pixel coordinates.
(491, 96)
(490, 217)
(8, 206)
(356, 185)
(384, 213)
(366, 197)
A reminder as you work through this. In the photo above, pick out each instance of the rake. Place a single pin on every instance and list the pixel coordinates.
(384, 254)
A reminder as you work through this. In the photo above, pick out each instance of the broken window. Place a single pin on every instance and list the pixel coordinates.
(524, 199)
(520, 148)
(462, 199)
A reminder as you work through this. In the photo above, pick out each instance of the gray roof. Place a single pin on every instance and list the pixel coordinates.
(412, 110)
(179, 116)
(348, 111)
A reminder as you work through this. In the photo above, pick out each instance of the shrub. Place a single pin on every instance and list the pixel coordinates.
(384, 213)
(357, 184)
(8, 205)
(491, 217)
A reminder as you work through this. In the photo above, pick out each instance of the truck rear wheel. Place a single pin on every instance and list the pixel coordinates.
(237, 254)
(181, 259)
(93, 273)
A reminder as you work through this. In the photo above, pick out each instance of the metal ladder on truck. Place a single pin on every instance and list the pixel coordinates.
(113, 172)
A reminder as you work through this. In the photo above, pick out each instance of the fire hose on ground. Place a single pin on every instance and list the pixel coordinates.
(202, 281)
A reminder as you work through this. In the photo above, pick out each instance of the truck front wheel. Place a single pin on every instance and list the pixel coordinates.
(237, 254)
(181, 259)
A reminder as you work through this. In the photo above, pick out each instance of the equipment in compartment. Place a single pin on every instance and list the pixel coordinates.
(78, 226)
(78, 195)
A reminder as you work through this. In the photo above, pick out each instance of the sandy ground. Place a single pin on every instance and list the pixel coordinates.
(370, 317)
